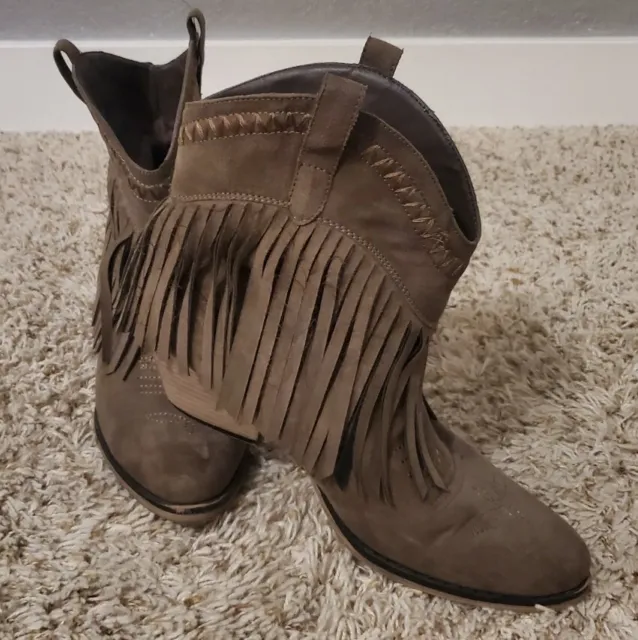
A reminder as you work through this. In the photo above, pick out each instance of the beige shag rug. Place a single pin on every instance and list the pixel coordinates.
(536, 359)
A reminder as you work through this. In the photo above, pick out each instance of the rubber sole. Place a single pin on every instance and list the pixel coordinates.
(450, 591)
(195, 514)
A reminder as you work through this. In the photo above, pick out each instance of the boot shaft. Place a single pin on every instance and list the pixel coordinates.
(296, 271)
(397, 187)
(137, 107)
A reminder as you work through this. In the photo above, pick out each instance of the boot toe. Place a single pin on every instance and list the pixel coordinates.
(485, 540)
(175, 459)
(510, 545)
(161, 454)
(534, 558)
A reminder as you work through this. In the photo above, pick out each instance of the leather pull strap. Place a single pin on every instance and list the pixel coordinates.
(381, 55)
(196, 26)
(72, 53)
(336, 111)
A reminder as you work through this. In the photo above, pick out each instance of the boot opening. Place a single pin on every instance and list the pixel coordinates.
(138, 101)
(401, 109)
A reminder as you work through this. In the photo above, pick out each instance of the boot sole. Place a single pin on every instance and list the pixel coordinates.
(195, 514)
(450, 591)
(187, 393)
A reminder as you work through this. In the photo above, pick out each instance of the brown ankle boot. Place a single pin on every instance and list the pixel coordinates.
(289, 286)
(178, 467)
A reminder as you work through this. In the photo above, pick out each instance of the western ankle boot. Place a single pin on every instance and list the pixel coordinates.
(318, 220)
(175, 465)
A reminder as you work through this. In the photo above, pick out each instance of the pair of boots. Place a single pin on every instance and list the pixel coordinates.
(276, 259)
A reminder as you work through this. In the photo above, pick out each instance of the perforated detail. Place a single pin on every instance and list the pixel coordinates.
(151, 389)
(166, 417)
(146, 363)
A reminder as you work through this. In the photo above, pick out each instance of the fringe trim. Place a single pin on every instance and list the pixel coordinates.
(118, 242)
(294, 329)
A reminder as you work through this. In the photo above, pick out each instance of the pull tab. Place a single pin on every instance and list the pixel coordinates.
(336, 111)
(380, 55)
(196, 25)
(72, 53)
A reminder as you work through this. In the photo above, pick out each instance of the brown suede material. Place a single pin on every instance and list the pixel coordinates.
(222, 134)
(387, 223)
(178, 459)
(137, 107)
(236, 161)
(380, 55)
(207, 175)
(484, 532)
(305, 321)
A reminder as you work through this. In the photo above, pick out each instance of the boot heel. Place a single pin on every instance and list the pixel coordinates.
(187, 394)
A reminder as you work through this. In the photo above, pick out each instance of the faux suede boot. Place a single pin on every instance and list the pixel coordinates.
(178, 467)
(318, 220)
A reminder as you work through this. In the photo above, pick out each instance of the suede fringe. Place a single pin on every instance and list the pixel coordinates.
(296, 330)
(118, 243)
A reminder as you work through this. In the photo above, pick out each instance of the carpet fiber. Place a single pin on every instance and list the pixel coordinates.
(536, 360)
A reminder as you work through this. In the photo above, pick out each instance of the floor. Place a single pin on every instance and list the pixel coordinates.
(536, 360)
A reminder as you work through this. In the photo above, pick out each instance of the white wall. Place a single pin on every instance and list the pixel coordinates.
(514, 62)
(124, 19)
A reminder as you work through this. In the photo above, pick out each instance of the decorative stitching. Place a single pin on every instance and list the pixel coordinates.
(156, 193)
(384, 263)
(410, 95)
(230, 196)
(138, 188)
(314, 166)
(416, 207)
(138, 182)
(247, 114)
(168, 414)
(152, 200)
(169, 420)
(242, 124)
(243, 135)
(449, 143)
(147, 172)
(305, 98)
(428, 169)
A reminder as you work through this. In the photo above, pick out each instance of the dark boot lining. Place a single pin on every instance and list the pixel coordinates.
(139, 101)
(400, 108)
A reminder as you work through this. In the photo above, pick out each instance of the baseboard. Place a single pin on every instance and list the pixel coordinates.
(468, 82)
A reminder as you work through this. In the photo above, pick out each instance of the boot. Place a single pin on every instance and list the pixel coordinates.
(178, 467)
(318, 220)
